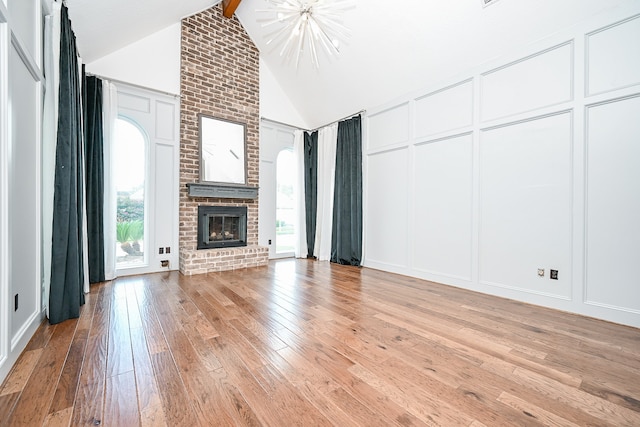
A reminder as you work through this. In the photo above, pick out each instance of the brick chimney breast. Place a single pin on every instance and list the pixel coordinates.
(219, 77)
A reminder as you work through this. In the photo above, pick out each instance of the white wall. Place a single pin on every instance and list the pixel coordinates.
(21, 81)
(152, 62)
(528, 162)
(274, 103)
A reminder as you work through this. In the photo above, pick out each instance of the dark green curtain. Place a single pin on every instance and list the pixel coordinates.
(346, 234)
(311, 188)
(67, 274)
(94, 174)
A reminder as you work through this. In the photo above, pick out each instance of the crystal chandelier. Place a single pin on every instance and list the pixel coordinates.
(303, 26)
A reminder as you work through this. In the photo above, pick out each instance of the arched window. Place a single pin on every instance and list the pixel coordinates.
(129, 173)
(285, 204)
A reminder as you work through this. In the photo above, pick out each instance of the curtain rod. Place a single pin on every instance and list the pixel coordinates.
(264, 119)
(116, 81)
(312, 130)
(339, 120)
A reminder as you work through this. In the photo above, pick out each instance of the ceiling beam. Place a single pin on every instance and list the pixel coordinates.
(229, 7)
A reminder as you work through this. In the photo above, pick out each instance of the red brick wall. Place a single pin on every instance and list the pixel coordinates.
(220, 78)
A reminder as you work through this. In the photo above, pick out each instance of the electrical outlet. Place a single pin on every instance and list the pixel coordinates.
(269, 241)
(553, 274)
(541, 272)
(167, 250)
(160, 251)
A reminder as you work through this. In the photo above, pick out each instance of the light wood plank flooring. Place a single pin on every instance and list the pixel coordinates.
(304, 343)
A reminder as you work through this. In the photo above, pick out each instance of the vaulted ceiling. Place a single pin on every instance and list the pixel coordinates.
(395, 47)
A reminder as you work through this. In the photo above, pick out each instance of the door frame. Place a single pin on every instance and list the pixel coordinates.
(146, 109)
(274, 137)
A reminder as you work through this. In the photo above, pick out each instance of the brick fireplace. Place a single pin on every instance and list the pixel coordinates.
(219, 77)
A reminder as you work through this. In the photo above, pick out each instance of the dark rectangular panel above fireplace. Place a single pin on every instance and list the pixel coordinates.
(222, 191)
(222, 226)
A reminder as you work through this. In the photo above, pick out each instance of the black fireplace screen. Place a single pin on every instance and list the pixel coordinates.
(222, 226)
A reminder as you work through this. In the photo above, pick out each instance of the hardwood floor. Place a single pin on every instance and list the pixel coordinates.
(311, 344)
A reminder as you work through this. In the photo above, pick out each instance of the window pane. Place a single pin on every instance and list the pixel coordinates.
(129, 170)
(284, 202)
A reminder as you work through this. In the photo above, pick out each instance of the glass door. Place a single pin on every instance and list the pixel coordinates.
(129, 171)
(285, 204)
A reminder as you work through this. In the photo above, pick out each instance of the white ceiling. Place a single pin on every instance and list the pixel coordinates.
(103, 27)
(396, 47)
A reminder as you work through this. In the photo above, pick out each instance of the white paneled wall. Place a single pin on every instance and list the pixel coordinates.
(525, 205)
(23, 15)
(6, 359)
(21, 81)
(442, 221)
(526, 163)
(613, 60)
(390, 127)
(24, 234)
(445, 110)
(540, 80)
(386, 229)
(613, 204)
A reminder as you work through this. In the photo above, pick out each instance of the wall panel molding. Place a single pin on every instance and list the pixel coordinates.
(127, 101)
(27, 59)
(387, 232)
(526, 205)
(612, 203)
(525, 120)
(165, 123)
(20, 178)
(389, 127)
(389, 148)
(5, 357)
(445, 110)
(442, 228)
(555, 296)
(613, 307)
(4, 13)
(422, 141)
(612, 57)
(543, 79)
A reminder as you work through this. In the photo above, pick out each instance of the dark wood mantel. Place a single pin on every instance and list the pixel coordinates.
(222, 191)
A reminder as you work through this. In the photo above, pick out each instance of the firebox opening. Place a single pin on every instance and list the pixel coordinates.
(222, 226)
